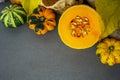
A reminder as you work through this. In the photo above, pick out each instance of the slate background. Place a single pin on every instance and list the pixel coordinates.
(26, 56)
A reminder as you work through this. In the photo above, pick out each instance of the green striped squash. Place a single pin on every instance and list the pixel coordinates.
(13, 16)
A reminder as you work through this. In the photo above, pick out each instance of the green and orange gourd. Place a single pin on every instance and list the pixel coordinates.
(42, 20)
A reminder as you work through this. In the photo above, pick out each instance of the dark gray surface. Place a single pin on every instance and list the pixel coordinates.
(26, 56)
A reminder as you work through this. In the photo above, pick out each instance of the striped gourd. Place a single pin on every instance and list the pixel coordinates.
(13, 16)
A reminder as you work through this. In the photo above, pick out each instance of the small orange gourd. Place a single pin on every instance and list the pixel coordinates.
(80, 27)
(42, 20)
(15, 1)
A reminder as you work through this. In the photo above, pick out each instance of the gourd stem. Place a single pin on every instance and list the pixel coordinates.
(42, 18)
(111, 48)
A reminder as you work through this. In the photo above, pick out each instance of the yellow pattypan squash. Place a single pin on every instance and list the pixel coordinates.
(109, 51)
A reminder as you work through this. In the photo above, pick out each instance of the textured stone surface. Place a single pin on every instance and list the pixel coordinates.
(26, 56)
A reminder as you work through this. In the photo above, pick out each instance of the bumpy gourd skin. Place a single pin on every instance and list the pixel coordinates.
(42, 20)
(109, 51)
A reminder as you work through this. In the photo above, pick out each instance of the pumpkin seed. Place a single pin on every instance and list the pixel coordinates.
(73, 33)
(84, 32)
(80, 26)
(73, 26)
(85, 23)
(74, 23)
(79, 20)
(86, 19)
(78, 17)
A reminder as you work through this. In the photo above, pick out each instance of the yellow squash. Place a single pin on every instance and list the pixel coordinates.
(109, 51)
